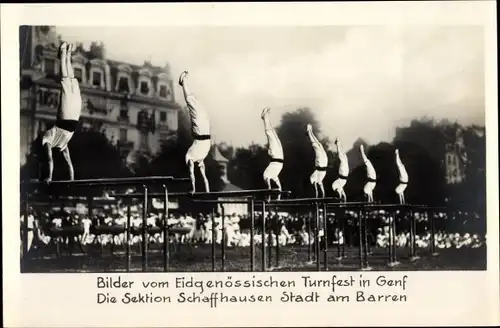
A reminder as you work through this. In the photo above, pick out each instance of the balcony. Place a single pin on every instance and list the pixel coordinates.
(125, 145)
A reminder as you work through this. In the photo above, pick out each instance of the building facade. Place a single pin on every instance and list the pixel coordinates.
(133, 105)
(455, 158)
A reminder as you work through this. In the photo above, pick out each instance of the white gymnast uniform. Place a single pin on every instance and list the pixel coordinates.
(403, 175)
(321, 159)
(370, 172)
(69, 112)
(341, 181)
(200, 128)
(71, 99)
(57, 137)
(275, 152)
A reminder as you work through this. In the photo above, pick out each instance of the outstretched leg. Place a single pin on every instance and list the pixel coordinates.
(183, 79)
(265, 118)
(190, 163)
(315, 189)
(201, 165)
(69, 66)
(63, 49)
(274, 143)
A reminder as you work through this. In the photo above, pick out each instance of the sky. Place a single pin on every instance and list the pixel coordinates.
(360, 81)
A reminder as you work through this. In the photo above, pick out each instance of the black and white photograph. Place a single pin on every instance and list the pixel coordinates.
(252, 148)
(250, 164)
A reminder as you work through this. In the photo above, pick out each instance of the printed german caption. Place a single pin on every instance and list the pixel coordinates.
(120, 290)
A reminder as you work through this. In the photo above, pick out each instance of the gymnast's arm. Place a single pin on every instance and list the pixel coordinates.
(67, 158)
(48, 150)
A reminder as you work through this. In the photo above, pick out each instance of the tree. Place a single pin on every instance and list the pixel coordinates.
(427, 133)
(299, 154)
(426, 178)
(471, 194)
(226, 150)
(97, 50)
(247, 166)
(92, 154)
(245, 169)
(434, 138)
(171, 159)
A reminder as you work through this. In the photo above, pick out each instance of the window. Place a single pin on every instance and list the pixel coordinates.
(123, 85)
(50, 66)
(96, 79)
(123, 135)
(144, 88)
(124, 113)
(163, 116)
(163, 91)
(78, 74)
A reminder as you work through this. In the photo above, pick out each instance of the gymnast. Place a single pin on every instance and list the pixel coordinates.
(275, 151)
(403, 178)
(200, 128)
(68, 114)
(371, 175)
(321, 163)
(339, 184)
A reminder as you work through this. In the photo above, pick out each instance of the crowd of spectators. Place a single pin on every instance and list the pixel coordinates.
(108, 225)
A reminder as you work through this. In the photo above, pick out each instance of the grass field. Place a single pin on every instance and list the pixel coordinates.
(199, 258)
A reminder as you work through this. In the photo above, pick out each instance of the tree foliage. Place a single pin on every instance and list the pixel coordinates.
(92, 154)
(298, 151)
(171, 159)
(422, 147)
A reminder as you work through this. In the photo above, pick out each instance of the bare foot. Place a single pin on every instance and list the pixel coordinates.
(309, 127)
(265, 111)
(184, 75)
(63, 47)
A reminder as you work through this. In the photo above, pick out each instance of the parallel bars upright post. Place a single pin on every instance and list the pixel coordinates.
(325, 238)
(213, 240)
(145, 231)
(166, 235)
(316, 238)
(223, 244)
(129, 260)
(252, 228)
(263, 245)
